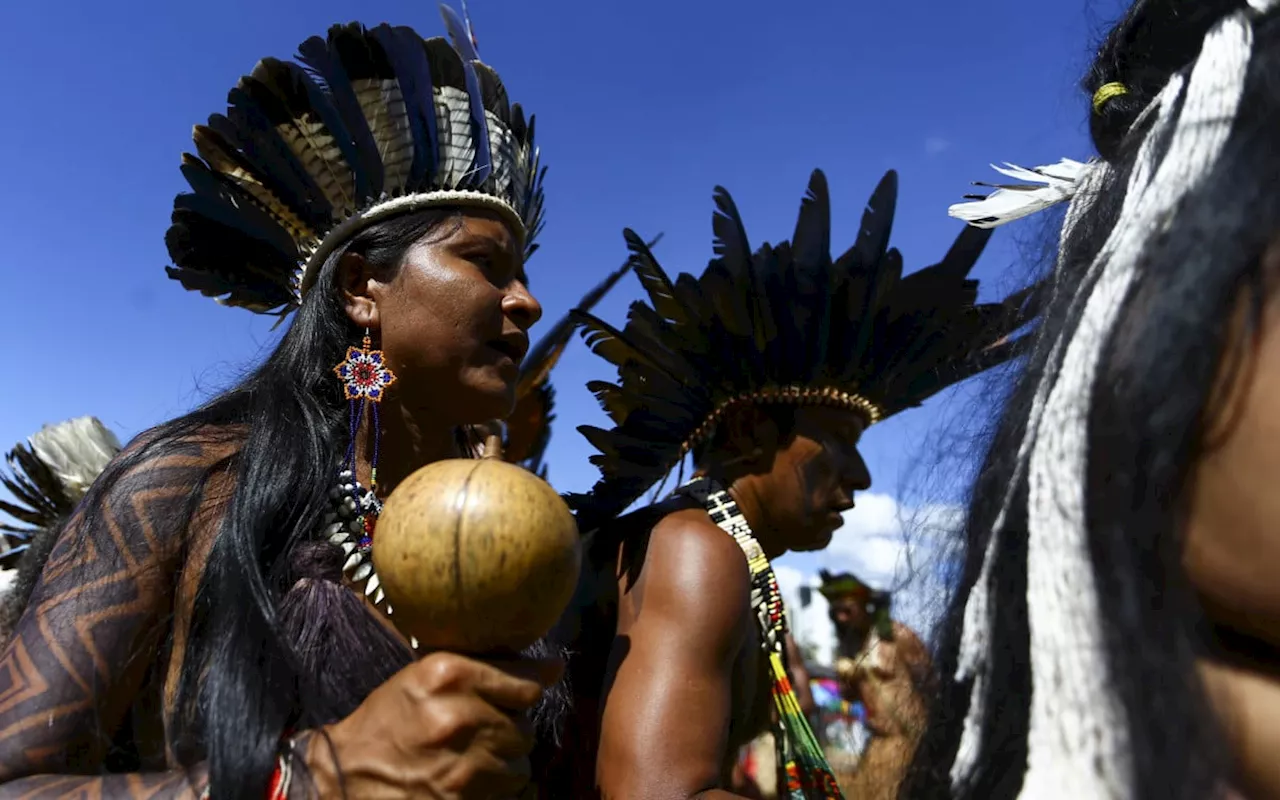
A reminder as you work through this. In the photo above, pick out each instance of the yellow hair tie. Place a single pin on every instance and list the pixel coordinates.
(1106, 93)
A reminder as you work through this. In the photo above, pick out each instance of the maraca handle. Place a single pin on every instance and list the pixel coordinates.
(493, 447)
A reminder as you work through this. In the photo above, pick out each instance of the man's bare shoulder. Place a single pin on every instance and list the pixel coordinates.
(694, 575)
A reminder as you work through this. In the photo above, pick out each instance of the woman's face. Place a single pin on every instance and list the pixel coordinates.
(454, 322)
(1233, 538)
(1233, 552)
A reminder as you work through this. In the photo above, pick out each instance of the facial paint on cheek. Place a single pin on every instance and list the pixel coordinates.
(813, 474)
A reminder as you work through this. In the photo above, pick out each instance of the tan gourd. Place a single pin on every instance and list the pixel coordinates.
(476, 555)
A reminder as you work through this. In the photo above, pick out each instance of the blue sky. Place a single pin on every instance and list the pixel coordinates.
(642, 108)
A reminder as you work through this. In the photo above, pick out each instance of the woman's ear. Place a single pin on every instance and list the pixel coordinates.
(355, 280)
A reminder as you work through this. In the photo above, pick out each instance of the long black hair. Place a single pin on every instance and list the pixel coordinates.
(259, 657)
(1145, 431)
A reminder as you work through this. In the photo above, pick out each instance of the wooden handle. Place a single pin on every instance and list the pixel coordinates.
(493, 447)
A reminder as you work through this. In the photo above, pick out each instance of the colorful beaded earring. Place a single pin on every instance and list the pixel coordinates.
(365, 378)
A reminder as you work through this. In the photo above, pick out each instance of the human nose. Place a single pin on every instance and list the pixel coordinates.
(521, 306)
(855, 477)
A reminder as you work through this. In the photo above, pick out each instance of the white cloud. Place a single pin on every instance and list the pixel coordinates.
(887, 544)
(935, 145)
(809, 624)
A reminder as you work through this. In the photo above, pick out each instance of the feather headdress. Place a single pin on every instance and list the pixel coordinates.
(48, 477)
(785, 324)
(844, 584)
(367, 124)
(529, 426)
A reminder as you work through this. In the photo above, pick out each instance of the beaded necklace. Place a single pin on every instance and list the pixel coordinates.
(800, 757)
(350, 524)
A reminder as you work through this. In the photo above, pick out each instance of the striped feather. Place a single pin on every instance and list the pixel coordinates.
(222, 157)
(287, 94)
(384, 109)
(457, 150)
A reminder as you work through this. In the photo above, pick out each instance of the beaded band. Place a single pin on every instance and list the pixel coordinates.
(789, 395)
(278, 789)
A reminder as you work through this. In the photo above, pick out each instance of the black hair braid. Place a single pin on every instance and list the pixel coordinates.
(1155, 39)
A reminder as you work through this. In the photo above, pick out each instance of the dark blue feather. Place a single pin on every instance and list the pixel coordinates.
(323, 58)
(219, 200)
(483, 164)
(404, 49)
(459, 34)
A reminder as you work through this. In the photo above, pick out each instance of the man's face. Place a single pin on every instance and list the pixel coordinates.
(814, 475)
(851, 616)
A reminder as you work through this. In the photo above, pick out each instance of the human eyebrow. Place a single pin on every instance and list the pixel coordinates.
(500, 240)
(495, 246)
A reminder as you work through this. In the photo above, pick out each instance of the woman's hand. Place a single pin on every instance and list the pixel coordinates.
(443, 727)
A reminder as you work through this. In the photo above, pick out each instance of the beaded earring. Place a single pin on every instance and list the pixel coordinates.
(365, 378)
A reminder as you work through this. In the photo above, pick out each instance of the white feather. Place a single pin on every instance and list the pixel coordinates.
(453, 127)
(502, 145)
(76, 451)
(1042, 187)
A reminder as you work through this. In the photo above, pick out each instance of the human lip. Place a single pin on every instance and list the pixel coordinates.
(512, 345)
(836, 515)
(839, 507)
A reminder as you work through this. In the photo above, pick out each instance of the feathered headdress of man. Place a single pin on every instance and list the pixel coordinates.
(876, 602)
(368, 124)
(528, 428)
(788, 324)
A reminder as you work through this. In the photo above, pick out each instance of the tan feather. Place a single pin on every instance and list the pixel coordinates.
(383, 107)
(319, 153)
(224, 159)
(502, 145)
(457, 150)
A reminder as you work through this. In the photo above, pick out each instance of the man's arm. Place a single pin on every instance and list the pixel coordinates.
(669, 697)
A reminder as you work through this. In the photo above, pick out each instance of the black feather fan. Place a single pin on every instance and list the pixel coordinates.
(529, 426)
(784, 319)
(371, 122)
